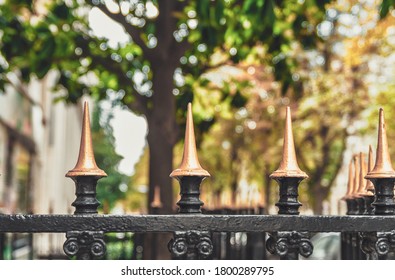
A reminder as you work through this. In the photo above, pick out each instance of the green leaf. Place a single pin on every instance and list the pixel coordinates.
(61, 11)
(249, 5)
(268, 13)
(203, 9)
(219, 11)
(385, 7)
(25, 74)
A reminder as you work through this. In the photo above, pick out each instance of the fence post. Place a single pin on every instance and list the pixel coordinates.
(368, 195)
(85, 174)
(359, 197)
(383, 178)
(354, 208)
(289, 244)
(190, 174)
(383, 175)
(346, 239)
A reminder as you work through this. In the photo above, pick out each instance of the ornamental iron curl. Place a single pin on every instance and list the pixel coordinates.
(191, 245)
(85, 245)
(385, 243)
(289, 244)
(378, 244)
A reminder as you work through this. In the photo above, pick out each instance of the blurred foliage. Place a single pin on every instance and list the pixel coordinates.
(119, 246)
(138, 187)
(386, 98)
(36, 39)
(333, 92)
(376, 52)
(112, 188)
(386, 7)
(373, 54)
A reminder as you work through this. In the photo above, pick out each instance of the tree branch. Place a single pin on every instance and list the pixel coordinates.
(166, 23)
(180, 49)
(22, 91)
(139, 104)
(133, 31)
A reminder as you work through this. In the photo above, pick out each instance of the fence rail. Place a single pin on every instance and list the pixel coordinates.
(180, 222)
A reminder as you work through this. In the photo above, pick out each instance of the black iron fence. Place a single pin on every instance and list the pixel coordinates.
(367, 231)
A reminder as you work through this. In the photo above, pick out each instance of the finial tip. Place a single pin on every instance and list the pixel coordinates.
(190, 165)
(289, 166)
(383, 166)
(86, 164)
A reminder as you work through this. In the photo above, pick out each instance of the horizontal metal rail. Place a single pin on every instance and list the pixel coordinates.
(180, 222)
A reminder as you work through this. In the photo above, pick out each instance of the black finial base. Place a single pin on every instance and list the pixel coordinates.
(86, 202)
(190, 202)
(288, 203)
(384, 203)
(352, 206)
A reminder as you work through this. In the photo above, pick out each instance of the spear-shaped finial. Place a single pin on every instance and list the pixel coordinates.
(289, 165)
(156, 202)
(86, 164)
(383, 167)
(350, 182)
(369, 185)
(190, 165)
(369, 191)
(356, 176)
(288, 175)
(362, 170)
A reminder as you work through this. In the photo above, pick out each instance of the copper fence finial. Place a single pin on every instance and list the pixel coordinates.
(289, 166)
(350, 182)
(190, 165)
(156, 202)
(86, 164)
(383, 166)
(362, 171)
(369, 185)
(356, 176)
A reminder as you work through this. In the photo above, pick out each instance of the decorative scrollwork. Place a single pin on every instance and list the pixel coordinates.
(98, 248)
(84, 245)
(191, 245)
(271, 245)
(178, 247)
(193, 237)
(382, 246)
(282, 247)
(205, 248)
(305, 248)
(377, 244)
(283, 243)
(71, 247)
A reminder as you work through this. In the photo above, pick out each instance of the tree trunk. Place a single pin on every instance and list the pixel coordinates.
(320, 194)
(160, 167)
(161, 118)
(162, 135)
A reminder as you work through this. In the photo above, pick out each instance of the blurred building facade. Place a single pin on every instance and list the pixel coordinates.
(39, 142)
